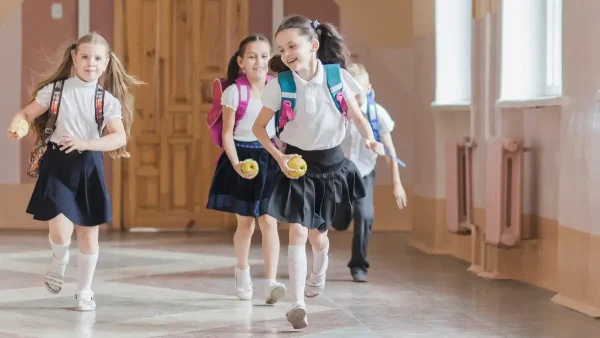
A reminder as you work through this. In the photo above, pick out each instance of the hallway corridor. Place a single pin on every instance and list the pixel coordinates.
(181, 285)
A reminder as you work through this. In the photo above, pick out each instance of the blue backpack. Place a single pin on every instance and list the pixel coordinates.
(333, 75)
(372, 114)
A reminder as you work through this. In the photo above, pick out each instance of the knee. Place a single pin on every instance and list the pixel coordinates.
(267, 223)
(87, 240)
(298, 234)
(318, 240)
(366, 216)
(246, 224)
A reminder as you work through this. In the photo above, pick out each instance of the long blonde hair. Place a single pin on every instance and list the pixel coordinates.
(115, 80)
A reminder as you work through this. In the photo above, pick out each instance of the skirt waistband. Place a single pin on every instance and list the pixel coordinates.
(320, 161)
(251, 144)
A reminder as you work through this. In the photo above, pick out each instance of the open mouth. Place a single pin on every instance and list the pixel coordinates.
(291, 61)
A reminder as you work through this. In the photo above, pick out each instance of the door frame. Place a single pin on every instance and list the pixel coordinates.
(117, 165)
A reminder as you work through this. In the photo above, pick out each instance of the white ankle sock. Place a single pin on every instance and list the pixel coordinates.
(61, 255)
(244, 280)
(320, 261)
(86, 265)
(297, 271)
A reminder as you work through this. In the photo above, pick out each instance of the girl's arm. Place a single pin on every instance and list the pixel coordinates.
(259, 128)
(363, 127)
(115, 139)
(260, 131)
(29, 113)
(229, 144)
(398, 189)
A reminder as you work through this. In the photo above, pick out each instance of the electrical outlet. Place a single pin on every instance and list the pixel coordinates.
(56, 11)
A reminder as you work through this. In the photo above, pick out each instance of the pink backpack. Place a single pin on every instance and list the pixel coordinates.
(214, 118)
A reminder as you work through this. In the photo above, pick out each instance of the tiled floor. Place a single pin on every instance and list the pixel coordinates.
(178, 285)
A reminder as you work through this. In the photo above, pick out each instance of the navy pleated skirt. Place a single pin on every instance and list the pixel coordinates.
(231, 193)
(73, 185)
(331, 182)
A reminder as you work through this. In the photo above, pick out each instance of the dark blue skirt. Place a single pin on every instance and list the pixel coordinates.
(231, 193)
(73, 185)
(331, 182)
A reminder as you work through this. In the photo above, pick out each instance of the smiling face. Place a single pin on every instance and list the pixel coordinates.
(90, 61)
(255, 59)
(297, 51)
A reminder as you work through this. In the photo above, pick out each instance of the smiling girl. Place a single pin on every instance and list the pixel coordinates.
(313, 132)
(235, 190)
(77, 119)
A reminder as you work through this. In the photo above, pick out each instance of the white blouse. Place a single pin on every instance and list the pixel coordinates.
(318, 124)
(77, 114)
(243, 131)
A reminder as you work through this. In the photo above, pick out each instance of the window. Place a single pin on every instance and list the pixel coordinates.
(453, 49)
(531, 66)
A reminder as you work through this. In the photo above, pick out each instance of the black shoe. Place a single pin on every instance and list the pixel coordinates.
(359, 275)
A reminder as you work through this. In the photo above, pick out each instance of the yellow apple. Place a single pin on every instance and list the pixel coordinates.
(21, 128)
(298, 164)
(250, 167)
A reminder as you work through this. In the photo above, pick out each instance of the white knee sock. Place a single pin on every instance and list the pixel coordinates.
(297, 271)
(320, 261)
(61, 257)
(86, 265)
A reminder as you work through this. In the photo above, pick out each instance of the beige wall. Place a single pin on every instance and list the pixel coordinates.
(10, 68)
(559, 182)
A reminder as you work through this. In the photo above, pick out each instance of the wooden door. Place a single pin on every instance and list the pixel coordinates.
(177, 47)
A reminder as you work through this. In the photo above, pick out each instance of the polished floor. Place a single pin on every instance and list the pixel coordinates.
(181, 285)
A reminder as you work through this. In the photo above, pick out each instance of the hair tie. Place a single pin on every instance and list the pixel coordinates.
(315, 24)
(74, 46)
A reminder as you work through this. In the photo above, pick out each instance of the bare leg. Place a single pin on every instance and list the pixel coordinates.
(270, 251)
(241, 243)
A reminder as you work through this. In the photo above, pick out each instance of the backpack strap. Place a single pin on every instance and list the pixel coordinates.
(243, 86)
(288, 100)
(53, 111)
(372, 114)
(333, 73)
(99, 107)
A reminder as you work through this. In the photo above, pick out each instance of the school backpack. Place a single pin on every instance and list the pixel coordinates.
(333, 74)
(40, 147)
(214, 119)
(372, 114)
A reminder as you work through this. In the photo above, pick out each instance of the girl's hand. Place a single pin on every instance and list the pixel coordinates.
(399, 195)
(375, 146)
(13, 122)
(12, 135)
(283, 164)
(238, 169)
(70, 143)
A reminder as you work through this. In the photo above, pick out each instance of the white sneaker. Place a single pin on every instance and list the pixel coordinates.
(315, 284)
(54, 279)
(297, 316)
(274, 291)
(85, 302)
(243, 284)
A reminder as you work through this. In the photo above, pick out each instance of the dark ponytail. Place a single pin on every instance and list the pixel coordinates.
(332, 48)
(233, 69)
(276, 65)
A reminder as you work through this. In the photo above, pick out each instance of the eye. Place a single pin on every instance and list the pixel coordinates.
(84, 57)
(98, 58)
